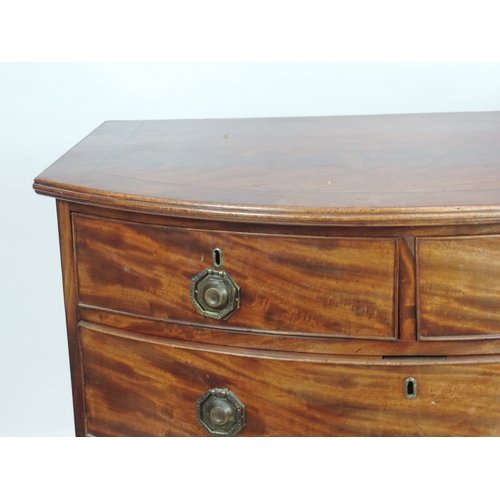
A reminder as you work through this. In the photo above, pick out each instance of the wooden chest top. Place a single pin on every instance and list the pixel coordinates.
(389, 169)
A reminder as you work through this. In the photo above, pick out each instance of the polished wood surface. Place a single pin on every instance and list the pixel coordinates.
(367, 250)
(459, 286)
(391, 169)
(303, 285)
(140, 386)
(71, 308)
(224, 335)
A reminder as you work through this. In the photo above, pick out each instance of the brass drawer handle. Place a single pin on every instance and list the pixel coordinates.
(214, 292)
(220, 412)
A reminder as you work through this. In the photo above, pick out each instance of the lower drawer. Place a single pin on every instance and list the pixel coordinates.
(143, 386)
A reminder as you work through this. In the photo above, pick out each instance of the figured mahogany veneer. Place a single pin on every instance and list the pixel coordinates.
(156, 384)
(320, 286)
(367, 250)
(459, 286)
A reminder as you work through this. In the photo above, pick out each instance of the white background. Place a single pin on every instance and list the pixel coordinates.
(46, 108)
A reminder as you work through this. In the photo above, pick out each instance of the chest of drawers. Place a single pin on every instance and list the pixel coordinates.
(283, 276)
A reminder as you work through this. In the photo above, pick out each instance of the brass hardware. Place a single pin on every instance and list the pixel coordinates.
(217, 258)
(220, 412)
(215, 294)
(410, 388)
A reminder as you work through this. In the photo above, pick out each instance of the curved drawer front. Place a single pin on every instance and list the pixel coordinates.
(458, 286)
(140, 386)
(344, 287)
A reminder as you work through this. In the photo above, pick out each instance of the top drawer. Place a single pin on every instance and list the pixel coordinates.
(342, 287)
(458, 287)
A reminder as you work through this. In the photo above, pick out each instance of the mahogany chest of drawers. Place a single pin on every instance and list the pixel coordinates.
(283, 276)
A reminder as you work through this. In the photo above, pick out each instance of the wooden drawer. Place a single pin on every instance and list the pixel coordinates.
(142, 386)
(339, 287)
(458, 287)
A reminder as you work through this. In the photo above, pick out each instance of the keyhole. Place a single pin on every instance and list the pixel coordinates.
(217, 257)
(410, 388)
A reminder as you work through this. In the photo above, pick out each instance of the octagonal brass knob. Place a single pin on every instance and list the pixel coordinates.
(215, 294)
(220, 412)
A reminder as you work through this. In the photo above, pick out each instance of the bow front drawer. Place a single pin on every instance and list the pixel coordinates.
(141, 386)
(458, 283)
(342, 287)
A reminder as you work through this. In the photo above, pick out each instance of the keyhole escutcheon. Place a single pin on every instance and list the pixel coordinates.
(410, 388)
(217, 258)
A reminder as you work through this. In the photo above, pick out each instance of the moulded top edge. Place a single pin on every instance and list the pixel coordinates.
(387, 167)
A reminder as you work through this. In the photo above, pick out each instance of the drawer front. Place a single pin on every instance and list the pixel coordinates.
(344, 287)
(140, 386)
(458, 287)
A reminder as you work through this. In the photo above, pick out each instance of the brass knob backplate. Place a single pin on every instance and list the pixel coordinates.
(215, 294)
(220, 412)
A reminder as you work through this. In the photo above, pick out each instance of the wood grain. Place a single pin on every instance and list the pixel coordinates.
(317, 170)
(322, 286)
(234, 337)
(459, 286)
(139, 386)
(334, 230)
(407, 309)
(71, 308)
(366, 249)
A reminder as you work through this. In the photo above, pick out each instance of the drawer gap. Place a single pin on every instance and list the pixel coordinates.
(410, 358)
